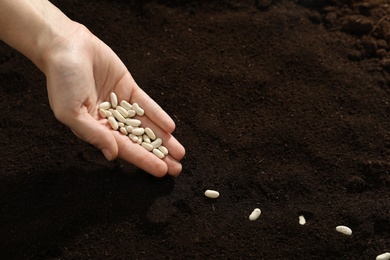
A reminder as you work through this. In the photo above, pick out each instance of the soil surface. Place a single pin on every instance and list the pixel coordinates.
(281, 105)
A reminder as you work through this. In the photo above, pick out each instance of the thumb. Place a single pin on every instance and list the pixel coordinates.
(88, 129)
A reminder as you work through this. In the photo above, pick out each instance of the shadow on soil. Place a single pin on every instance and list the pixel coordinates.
(40, 213)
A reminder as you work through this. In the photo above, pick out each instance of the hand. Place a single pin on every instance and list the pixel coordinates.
(81, 73)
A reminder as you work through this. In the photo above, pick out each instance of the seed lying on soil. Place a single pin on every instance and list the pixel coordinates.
(384, 256)
(302, 220)
(120, 118)
(213, 194)
(344, 229)
(255, 214)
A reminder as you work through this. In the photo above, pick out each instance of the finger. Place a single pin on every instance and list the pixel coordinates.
(153, 110)
(139, 156)
(127, 89)
(90, 130)
(176, 150)
(174, 167)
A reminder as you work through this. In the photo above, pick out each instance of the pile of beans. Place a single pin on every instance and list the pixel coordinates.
(121, 115)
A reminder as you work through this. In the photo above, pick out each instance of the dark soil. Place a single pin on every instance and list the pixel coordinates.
(281, 105)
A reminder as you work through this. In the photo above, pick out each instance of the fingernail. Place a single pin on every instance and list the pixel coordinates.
(107, 154)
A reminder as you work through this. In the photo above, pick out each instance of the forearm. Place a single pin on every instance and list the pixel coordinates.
(33, 27)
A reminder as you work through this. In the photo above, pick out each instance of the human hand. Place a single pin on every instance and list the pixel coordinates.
(81, 73)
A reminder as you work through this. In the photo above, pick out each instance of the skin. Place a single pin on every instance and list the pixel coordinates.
(81, 72)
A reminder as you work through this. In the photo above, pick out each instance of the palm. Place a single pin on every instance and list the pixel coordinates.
(81, 78)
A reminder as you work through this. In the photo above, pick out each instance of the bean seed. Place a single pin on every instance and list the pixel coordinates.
(129, 128)
(122, 111)
(108, 114)
(150, 133)
(384, 256)
(158, 153)
(133, 122)
(133, 138)
(146, 138)
(123, 130)
(130, 113)
(118, 116)
(302, 220)
(114, 99)
(163, 149)
(113, 123)
(102, 113)
(138, 131)
(138, 109)
(105, 105)
(147, 146)
(157, 143)
(255, 214)
(345, 230)
(126, 105)
(213, 194)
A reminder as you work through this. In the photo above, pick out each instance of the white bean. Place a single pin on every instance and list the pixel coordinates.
(113, 123)
(150, 133)
(255, 214)
(123, 130)
(138, 131)
(139, 139)
(344, 229)
(129, 128)
(122, 111)
(302, 220)
(147, 146)
(133, 138)
(105, 105)
(108, 114)
(133, 122)
(131, 113)
(120, 124)
(138, 109)
(146, 138)
(102, 113)
(126, 105)
(118, 116)
(384, 256)
(114, 99)
(156, 143)
(213, 194)
(163, 149)
(158, 153)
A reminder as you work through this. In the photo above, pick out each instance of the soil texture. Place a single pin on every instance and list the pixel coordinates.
(281, 105)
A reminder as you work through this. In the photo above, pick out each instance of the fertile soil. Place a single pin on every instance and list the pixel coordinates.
(281, 105)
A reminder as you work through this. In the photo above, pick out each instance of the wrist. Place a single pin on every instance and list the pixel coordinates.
(33, 27)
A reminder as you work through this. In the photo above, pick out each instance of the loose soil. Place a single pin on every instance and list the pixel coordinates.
(281, 105)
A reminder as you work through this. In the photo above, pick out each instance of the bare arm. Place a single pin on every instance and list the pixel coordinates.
(81, 71)
(33, 27)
